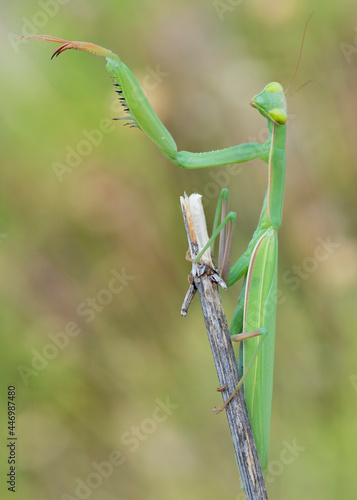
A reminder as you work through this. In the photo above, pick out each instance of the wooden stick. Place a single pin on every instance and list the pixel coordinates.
(204, 278)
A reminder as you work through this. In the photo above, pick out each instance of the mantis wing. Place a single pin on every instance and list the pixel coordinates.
(260, 311)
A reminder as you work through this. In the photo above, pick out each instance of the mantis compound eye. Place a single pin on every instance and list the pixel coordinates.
(274, 87)
(279, 116)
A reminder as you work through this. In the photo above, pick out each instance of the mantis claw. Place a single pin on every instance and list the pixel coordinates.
(66, 45)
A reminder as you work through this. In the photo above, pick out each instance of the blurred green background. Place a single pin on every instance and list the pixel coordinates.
(116, 210)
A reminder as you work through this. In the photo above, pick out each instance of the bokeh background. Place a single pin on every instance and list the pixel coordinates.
(93, 380)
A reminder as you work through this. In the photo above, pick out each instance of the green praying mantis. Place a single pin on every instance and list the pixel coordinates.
(253, 323)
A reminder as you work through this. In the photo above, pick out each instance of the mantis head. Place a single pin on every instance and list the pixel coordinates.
(271, 103)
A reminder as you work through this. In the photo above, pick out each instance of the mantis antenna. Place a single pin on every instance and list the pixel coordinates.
(299, 58)
(301, 87)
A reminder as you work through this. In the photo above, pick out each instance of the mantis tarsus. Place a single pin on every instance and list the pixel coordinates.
(256, 309)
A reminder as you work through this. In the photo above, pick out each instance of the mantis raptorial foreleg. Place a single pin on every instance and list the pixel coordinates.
(255, 311)
(226, 235)
(140, 114)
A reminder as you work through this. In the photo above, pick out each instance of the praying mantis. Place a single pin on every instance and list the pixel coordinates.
(253, 323)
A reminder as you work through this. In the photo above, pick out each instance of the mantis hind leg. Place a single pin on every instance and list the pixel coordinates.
(262, 332)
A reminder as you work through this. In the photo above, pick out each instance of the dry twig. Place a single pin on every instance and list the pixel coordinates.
(204, 278)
